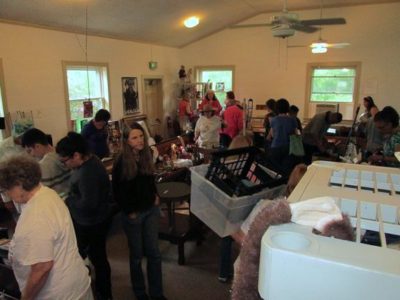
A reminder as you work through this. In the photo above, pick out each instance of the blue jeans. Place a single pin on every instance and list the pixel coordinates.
(142, 234)
(225, 258)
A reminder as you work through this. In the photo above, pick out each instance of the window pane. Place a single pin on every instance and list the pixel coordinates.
(215, 77)
(78, 84)
(334, 72)
(2, 114)
(222, 81)
(86, 83)
(76, 107)
(1, 103)
(333, 85)
(331, 97)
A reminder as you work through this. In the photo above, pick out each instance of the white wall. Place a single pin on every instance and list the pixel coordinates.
(34, 79)
(265, 68)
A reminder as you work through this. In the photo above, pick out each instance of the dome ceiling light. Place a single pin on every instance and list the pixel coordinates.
(191, 22)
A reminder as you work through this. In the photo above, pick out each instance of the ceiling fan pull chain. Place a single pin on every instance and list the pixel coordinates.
(86, 52)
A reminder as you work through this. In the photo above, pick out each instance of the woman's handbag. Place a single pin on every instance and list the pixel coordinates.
(296, 145)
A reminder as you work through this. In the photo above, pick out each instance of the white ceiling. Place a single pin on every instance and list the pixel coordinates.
(150, 21)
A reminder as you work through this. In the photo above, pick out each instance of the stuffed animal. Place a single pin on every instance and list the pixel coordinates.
(245, 284)
(246, 276)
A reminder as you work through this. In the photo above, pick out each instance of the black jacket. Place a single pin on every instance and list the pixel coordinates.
(133, 195)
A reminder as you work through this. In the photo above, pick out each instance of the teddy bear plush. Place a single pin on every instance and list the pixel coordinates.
(245, 284)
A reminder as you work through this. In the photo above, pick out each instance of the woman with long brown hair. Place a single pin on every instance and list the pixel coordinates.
(135, 191)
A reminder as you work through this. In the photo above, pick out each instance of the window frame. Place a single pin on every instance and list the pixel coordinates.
(67, 65)
(199, 69)
(331, 65)
(4, 133)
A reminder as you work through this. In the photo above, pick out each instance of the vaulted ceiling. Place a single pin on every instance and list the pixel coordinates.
(150, 21)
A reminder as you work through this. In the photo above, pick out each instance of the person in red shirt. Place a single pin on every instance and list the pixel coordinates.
(184, 112)
(211, 99)
(232, 120)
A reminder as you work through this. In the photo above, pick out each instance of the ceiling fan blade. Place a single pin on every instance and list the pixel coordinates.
(338, 45)
(251, 25)
(331, 21)
(302, 28)
(296, 46)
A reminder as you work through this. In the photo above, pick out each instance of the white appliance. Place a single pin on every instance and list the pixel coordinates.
(297, 264)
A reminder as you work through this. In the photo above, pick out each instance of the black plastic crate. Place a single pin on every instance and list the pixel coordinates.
(236, 172)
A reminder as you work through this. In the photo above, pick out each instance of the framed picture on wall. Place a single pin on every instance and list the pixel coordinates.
(130, 95)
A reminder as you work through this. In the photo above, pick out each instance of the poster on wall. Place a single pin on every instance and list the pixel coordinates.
(220, 87)
(87, 109)
(130, 95)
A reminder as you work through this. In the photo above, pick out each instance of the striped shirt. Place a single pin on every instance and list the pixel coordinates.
(54, 174)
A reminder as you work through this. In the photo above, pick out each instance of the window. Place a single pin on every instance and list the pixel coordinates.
(220, 79)
(3, 132)
(85, 83)
(334, 83)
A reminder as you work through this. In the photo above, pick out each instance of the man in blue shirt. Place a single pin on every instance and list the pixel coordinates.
(96, 134)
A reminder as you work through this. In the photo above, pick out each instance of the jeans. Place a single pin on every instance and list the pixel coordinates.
(309, 150)
(142, 234)
(92, 242)
(280, 161)
(224, 140)
(225, 256)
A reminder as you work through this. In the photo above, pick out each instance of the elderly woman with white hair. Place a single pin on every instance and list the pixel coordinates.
(43, 251)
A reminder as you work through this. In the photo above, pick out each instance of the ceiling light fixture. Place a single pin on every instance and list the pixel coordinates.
(319, 48)
(191, 22)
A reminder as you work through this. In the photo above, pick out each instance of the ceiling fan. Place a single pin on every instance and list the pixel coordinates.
(285, 24)
(321, 46)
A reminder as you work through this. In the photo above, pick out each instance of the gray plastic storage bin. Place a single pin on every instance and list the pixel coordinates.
(222, 213)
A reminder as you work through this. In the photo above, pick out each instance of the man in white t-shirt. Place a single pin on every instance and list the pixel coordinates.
(43, 251)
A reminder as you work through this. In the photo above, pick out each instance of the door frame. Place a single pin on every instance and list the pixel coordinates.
(144, 111)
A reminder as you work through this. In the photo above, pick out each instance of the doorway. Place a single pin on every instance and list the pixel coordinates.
(153, 104)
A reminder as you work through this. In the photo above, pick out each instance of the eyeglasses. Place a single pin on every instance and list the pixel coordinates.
(64, 161)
